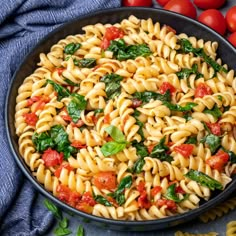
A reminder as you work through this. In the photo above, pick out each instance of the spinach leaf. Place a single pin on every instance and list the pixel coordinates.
(171, 194)
(177, 107)
(215, 112)
(102, 200)
(185, 73)
(204, 180)
(85, 62)
(42, 141)
(232, 157)
(71, 48)
(76, 106)
(138, 166)
(220, 97)
(121, 51)
(191, 140)
(187, 116)
(115, 133)
(61, 91)
(112, 148)
(148, 95)
(139, 123)
(112, 83)
(53, 208)
(141, 149)
(69, 82)
(212, 141)
(97, 111)
(80, 231)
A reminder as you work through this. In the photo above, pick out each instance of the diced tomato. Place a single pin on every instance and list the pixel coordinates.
(107, 119)
(66, 118)
(143, 201)
(78, 144)
(150, 148)
(214, 127)
(32, 100)
(141, 187)
(136, 103)
(31, 118)
(87, 197)
(169, 144)
(171, 205)
(85, 207)
(167, 86)
(40, 102)
(112, 201)
(111, 33)
(155, 190)
(59, 70)
(109, 138)
(170, 29)
(178, 189)
(67, 166)
(52, 157)
(218, 161)
(184, 149)
(202, 90)
(78, 124)
(94, 119)
(105, 180)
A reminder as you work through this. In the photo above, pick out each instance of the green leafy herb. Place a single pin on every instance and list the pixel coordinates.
(185, 73)
(71, 48)
(232, 156)
(80, 231)
(148, 95)
(85, 62)
(61, 91)
(112, 148)
(42, 141)
(64, 223)
(204, 180)
(141, 149)
(61, 231)
(76, 106)
(68, 81)
(121, 51)
(191, 140)
(177, 107)
(53, 208)
(115, 133)
(102, 200)
(97, 111)
(118, 195)
(206, 127)
(112, 83)
(212, 141)
(215, 112)
(138, 166)
(139, 123)
(220, 97)
(187, 116)
(226, 108)
(171, 194)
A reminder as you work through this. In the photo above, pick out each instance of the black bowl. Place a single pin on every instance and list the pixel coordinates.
(182, 24)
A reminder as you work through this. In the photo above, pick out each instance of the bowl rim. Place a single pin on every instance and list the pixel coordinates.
(25, 169)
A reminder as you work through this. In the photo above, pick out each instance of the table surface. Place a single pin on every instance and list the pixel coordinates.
(195, 226)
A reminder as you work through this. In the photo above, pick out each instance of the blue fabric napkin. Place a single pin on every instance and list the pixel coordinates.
(22, 24)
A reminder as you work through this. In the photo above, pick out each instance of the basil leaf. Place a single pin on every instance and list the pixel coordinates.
(213, 141)
(115, 133)
(71, 48)
(141, 149)
(80, 231)
(112, 85)
(148, 95)
(70, 82)
(138, 166)
(61, 231)
(220, 97)
(97, 111)
(64, 223)
(112, 148)
(215, 112)
(185, 73)
(187, 116)
(85, 62)
(191, 140)
(177, 107)
(61, 91)
(76, 106)
(102, 200)
(232, 156)
(53, 208)
(171, 194)
(126, 182)
(204, 180)
(42, 141)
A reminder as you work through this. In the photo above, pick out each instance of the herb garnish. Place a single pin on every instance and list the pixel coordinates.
(85, 62)
(61, 91)
(171, 194)
(71, 48)
(215, 112)
(185, 72)
(102, 200)
(148, 95)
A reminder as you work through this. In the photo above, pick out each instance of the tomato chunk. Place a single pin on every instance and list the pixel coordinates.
(184, 149)
(218, 161)
(31, 118)
(107, 119)
(155, 190)
(178, 189)
(167, 86)
(202, 90)
(87, 198)
(143, 201)
(33, 99)
(170, 204)
(136, 103)
(214, 127)
(60, 70)
(52, 157)
(67, 166)
(141, 187)
(78, 144)
(105, 180)
(78, 124)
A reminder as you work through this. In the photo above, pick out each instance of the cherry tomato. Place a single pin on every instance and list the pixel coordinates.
(136, 103)
(167, 86)
(231, 19)
(31, 118)
(78, 124)
(105, 180)
(107, 119)
(178, 189)
(59, 70)
(184, 7)
(170, 204)
(202, 90)
(143, 201)
(209, 4)
(214, 127)
(137, 3)
(218, 161)
(87, 197)
(78, 144)
(141, 187)
(52, 157)
(155, 190)
(85, 207)
(67, 166)
(214, 19)
(162, 2)
(232, 39)
(32, 100)
(184, 149)
(150, 148)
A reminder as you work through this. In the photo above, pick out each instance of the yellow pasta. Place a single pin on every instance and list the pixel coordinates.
(231, 228)
(122, 122)
(180, 233)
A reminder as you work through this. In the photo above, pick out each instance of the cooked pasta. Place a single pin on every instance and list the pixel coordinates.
(130, 121)
(231, 228)
(179, 233)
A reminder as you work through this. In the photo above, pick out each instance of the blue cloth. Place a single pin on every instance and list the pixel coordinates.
(22, 24)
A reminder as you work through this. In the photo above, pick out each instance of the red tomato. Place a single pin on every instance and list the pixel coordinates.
(232, 39)
(66, 118)
(218, 161)
(150, 148)
(143, 201)
(31, 118)
(78, 124)
(178, 189)
(155, 190)
(32, 100)
(107, 119)
(231, 19)
(171, 205)
(87, 197)
(105, 180)
(214, 19)
(136, 103)
(85, 207)
(59, 70)
(209, 4)
(52, 157)
(184, 7)
(162, 2)
(214, 127)
(67, 166)
(78, 144)
(141, 187)
(184, 149)
(137, 3)
(167, 86)
(202, 90)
